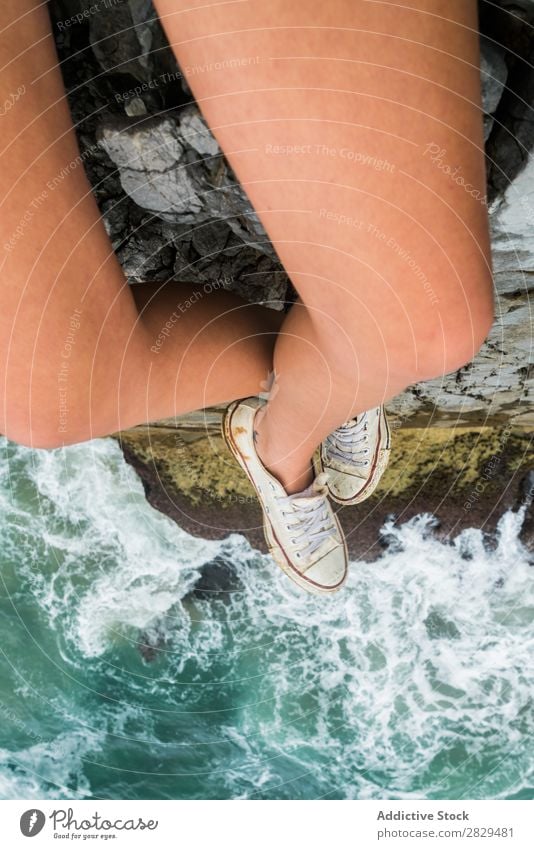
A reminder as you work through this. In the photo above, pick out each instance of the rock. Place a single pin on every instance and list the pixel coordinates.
(527, 488)
(463, 477)
(135, 108)
(525, 501)
(509, 27)
(149, 646)
(218, 580)
(493, 72)
(172, 168)
(149, 253)
(526, 5)
(196, 134)
(127, 38)
(152, 169)
(512, 226)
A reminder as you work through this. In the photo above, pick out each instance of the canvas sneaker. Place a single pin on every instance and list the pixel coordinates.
(355, 456)
(303, 534)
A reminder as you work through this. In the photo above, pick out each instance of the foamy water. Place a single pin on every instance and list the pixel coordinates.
(415, 682)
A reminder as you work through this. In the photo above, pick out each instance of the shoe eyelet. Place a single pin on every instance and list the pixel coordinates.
(297, 555)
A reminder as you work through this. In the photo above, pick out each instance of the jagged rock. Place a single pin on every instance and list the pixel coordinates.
(512, 222)
(510, 27)
(173, 168)
(218, 581)
(527, 488)
(527, 5)
(493, 73)
(152, 168)
(526, 501)
(127, 38)
(150, 645)
(465, 478)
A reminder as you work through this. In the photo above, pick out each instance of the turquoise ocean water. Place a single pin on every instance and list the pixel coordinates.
(416, 682)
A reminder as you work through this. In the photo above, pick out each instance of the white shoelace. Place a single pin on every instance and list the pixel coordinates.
(349, 443)
(307, 516)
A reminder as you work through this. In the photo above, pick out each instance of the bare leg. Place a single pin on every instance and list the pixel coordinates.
(79, 355)
(360, 133)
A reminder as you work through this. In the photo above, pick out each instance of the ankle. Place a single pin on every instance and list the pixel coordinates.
(294, 473)
(293, 479)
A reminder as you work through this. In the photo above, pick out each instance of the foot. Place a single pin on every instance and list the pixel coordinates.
(301, 530)
(355, 456)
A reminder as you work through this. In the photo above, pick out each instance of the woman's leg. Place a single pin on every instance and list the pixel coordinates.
(80, 356)
(359, 137)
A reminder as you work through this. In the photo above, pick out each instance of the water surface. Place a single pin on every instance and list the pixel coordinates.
(415, 682)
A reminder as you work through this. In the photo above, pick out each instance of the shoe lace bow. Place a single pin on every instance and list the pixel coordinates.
(350, 442)
(307, 517)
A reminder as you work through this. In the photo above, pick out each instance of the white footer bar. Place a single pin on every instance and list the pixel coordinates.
(269, 824)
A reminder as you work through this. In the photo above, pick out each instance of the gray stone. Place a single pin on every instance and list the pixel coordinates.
(526, 5)
(149, 157)
(135, 107)
(116, 48)
(493, 73)
(127, 39)
(512, 227)
(172, 167)
(196, 133)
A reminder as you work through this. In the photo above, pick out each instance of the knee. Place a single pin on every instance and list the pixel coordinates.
(451, 343)
(414, 345)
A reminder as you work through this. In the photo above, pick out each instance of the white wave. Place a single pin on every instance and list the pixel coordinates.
(426, 655)
(119, 563)
(416, 681)
(49, 770)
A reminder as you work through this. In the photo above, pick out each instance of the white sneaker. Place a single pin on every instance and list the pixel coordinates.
(302, 532)
(355, 456)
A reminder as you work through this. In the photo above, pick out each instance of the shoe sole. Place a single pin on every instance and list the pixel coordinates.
(275, 549)
(378, 467)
